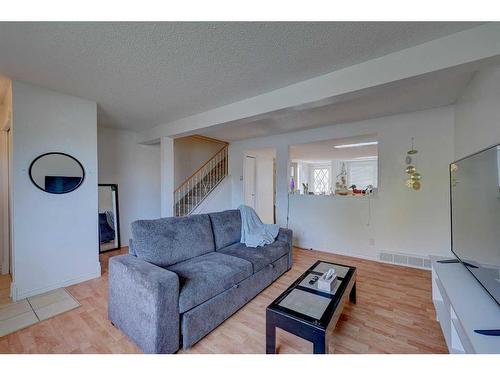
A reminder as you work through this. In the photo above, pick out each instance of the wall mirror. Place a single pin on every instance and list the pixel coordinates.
(109, 221)
(56, 173)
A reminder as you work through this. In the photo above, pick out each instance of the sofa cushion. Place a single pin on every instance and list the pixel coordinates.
(227, 227)
(171, 240)
(200, 320)
(204, 277)
(258, 256)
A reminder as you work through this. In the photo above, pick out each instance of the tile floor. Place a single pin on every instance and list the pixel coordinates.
(17, 315)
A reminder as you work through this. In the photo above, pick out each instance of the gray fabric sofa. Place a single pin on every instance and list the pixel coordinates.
(185, 275)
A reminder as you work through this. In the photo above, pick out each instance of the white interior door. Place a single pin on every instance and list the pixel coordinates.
(265, 189)
(249, 181)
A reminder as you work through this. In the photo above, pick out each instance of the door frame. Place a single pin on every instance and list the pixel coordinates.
(6, 197)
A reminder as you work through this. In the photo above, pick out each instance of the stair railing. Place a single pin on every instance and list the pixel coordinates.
(196, 187)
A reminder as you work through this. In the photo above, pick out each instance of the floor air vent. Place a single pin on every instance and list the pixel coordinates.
(386, 257)
(416, 261)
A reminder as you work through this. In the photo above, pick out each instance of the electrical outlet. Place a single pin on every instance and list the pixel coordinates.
(371, 241)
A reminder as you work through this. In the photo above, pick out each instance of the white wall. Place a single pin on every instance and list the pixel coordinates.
(54, 236)
(190, 153)
(402, 220)
(136, 170)
(218, 200)
(167, 171)
(477, 113)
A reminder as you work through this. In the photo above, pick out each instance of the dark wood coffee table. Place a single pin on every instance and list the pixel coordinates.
(308, 312)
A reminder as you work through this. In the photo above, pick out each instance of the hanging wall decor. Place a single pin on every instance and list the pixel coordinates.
(414, 177)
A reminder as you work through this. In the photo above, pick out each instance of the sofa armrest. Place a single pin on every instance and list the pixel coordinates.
(131, 247)
(286, 235)
(144, 303)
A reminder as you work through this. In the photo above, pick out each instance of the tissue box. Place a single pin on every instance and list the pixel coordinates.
(327, 285)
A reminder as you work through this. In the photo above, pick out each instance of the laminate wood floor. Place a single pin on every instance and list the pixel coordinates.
(394, 314)
(5, 281)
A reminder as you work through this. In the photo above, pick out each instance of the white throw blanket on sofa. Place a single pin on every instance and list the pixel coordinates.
(254, 233)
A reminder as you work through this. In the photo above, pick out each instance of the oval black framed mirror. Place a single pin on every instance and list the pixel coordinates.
(56, 173)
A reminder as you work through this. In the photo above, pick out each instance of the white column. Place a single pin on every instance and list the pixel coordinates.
(282, 172)
(167, 176)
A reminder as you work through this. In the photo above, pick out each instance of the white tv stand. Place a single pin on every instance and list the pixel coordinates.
(462, 305)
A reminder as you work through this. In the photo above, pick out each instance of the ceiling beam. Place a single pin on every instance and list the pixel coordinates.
(460, 48)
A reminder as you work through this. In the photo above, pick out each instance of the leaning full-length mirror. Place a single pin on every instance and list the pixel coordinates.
(56, 173)
(109, 224)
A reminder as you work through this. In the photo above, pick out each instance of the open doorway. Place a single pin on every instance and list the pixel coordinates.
(259, 182)
(335, 167)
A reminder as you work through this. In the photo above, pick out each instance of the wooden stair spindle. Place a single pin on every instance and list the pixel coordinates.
(201, 183)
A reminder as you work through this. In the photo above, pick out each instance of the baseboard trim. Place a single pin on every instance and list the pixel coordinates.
(366, 257)
(353, 255)
(18, 295)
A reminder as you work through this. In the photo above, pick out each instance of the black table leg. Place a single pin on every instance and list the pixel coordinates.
(270, 334)
(319, 344)
(352, 295)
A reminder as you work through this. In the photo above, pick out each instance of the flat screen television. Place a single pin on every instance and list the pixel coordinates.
(475, 216)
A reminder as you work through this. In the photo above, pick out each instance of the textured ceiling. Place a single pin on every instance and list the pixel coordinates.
(145, 74)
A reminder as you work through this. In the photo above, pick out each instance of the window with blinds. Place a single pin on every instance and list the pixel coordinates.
(362, 173)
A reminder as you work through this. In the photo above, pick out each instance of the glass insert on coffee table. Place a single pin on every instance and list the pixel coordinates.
(308, 311)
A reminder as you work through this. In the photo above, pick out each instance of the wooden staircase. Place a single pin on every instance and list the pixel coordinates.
(201, 183)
